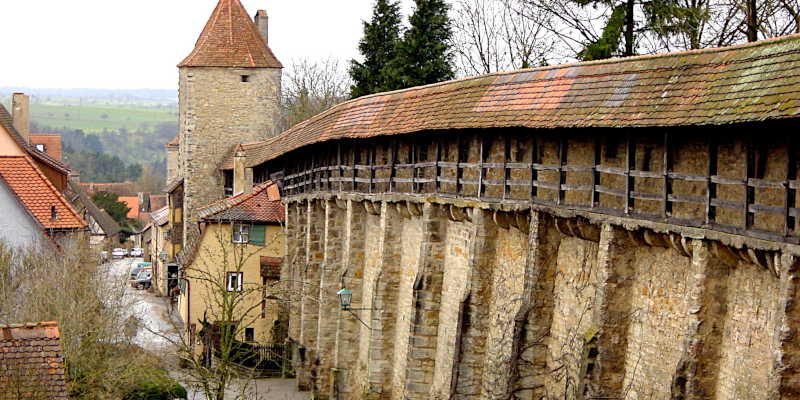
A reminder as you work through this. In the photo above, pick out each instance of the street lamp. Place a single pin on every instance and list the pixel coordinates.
(345, 298)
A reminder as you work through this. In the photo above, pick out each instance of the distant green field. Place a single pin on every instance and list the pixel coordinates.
(92, 119)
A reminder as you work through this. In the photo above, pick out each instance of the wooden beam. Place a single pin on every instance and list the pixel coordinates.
(339, 163)
(353, 163)
(393, 164)
(371, 160)
(412, 159)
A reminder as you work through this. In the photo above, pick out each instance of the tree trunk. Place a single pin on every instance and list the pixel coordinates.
(752, 21)
(629, 26)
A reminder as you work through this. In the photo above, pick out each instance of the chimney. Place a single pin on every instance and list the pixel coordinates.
(261, 23)
(242, 176)
(20, 114)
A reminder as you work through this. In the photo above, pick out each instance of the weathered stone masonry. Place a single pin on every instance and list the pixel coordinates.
(502, 252)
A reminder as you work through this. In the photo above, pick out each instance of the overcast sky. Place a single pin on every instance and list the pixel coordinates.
(124, 44)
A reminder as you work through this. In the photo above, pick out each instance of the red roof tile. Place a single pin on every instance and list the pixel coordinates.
(751, 82)
(231, 39)
(175, 142)
(261, 205)
(37, 194)
(51, 142)
(133, 203)
(118, 188)
(32, 362)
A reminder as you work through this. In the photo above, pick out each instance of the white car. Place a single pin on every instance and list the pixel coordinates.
(137, 252)
(119, 253)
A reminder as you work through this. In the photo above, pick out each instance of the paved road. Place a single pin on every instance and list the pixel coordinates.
(153, 312)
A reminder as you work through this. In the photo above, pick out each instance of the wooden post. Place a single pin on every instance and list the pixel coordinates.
(534, 172)
(630, 163)
(353, 163)
(371, 160)
(595, 197)
(438, 171)
(749, 190)
(667, 212)
(458, 164)
(711, 187)
(562, 161)
(339, 163)
(412, 159)
(506, 171)
(480, 165)
(393, 163)
(790, 195)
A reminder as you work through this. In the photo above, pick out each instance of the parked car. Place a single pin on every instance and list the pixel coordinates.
(119, 253)
(137, 252)
(143, 279)
(139, 267)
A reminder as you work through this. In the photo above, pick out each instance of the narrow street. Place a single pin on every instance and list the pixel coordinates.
(155, 334)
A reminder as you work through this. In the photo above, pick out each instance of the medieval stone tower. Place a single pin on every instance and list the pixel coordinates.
(229, 93)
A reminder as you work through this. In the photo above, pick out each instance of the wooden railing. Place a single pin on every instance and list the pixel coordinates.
(753, 193)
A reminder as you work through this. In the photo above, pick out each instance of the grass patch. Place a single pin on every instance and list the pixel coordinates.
(92, 119)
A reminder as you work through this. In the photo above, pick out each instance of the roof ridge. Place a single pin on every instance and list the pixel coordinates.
(237, 199)
(6, 117)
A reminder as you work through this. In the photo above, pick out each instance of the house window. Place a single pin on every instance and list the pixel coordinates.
(241, 233)
(41, 147)
(249, 334)
(235, 281)
(245, 78)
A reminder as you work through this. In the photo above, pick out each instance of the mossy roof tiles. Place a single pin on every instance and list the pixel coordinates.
(32, 362)
(751, 82)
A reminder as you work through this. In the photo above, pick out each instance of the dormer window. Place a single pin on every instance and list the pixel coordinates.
(41, 147)
(245, 78)
(53, 213)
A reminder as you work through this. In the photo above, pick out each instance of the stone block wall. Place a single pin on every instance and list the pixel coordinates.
(218, 111)
(466, 302)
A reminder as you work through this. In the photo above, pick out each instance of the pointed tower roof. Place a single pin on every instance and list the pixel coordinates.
(231, 39)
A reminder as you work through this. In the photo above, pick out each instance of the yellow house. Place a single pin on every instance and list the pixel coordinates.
(161, 249)
(236, 261)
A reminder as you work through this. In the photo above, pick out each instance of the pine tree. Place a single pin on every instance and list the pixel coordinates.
(379, 48)
(424, 55)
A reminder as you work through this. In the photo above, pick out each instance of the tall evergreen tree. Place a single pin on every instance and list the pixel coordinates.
(379, 48)
(424, 56)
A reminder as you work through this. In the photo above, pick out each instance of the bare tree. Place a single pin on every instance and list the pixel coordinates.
(311, 87)
(63, 283)
(493, 35)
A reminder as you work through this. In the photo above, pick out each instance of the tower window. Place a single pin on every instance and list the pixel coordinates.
(245, 78)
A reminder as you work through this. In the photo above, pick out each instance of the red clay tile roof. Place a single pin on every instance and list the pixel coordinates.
(118, 188)
(175, 142)
(31, 362)
(133, 203)
(751, 82)
(231, 39)
(7, 122)
(261, 205)
(38, 194)
(51, 142)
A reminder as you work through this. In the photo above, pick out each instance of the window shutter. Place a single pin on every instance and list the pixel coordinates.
(257, 235)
